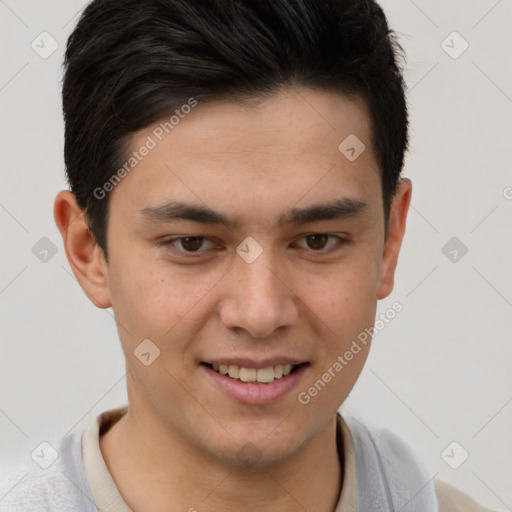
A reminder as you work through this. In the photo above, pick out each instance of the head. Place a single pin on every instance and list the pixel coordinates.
(270, 134)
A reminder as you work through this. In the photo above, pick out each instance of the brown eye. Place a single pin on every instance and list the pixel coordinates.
(322, 242)
(317, 241)
(188, 245)
(191, 243)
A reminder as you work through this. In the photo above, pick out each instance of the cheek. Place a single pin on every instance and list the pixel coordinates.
(348, 307)
(343, 297)
(152, 300)
(345, 303)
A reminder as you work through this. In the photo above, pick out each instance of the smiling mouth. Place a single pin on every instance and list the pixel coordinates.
(252, 375)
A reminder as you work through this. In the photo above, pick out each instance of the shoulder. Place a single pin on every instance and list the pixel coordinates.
(451, 499)
(25, 488)
(55, 485)
(399, 468)
(387, 470)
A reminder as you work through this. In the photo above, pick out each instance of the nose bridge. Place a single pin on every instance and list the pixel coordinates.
(259, 301)
(260, 281)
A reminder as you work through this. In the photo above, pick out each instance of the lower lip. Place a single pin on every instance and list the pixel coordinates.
(257, 394)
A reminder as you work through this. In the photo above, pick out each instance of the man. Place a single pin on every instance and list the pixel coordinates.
(236, 199)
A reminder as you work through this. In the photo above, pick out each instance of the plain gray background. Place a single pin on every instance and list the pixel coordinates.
(438, 373)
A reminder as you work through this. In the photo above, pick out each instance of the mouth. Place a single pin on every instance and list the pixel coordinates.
(255, 382)
(264, 376)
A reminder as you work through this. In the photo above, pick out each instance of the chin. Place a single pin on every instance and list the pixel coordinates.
(268, 446)
(256, 456)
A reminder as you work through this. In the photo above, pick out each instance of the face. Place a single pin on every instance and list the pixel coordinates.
(245, 240)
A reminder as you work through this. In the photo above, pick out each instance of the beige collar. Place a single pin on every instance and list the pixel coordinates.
(107, 496)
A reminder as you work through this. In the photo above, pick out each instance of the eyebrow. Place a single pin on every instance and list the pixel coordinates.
(176, 210)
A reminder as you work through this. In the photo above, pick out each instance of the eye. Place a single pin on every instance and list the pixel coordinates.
(199, 245)
(189, 244)
(319, 241)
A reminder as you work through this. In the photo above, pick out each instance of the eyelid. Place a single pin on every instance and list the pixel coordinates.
(341, 241)
(168, 243)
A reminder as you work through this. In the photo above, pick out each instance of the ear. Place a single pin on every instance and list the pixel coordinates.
(85, 257)
(396, 231)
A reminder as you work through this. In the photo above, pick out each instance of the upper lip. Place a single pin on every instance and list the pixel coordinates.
(246, 362)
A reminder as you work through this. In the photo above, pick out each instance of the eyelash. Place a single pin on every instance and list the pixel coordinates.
(194, 254)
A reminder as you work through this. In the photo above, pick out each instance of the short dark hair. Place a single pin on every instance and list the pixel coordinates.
(130, 63)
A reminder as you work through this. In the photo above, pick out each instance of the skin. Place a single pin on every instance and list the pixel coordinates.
(181, 437)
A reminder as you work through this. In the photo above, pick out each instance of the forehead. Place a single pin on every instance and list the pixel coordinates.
(290, 121)
(258, 157)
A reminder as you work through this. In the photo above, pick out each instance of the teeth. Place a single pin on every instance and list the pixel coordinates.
(233, 371)
(265, 374)
(247, 374)
(261, 375)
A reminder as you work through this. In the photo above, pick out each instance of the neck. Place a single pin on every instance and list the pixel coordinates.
(169, 469)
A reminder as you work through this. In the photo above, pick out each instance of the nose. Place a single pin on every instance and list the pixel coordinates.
(260, 299)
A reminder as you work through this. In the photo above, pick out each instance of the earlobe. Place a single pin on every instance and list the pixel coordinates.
(396, 231)
(84, 255)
